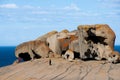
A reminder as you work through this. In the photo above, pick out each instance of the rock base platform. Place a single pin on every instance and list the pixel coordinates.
(60, 69)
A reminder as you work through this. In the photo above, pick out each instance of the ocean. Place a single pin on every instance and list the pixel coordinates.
(7, 54)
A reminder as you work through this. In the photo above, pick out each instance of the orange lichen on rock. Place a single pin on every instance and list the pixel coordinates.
(88, 41)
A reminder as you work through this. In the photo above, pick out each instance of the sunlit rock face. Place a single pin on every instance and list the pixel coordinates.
(96, 41)
(32, 49)
(59, 43)
(87, 42)
(45, 36)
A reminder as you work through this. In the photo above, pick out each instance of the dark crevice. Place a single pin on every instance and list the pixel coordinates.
(87, 53)
(25, 56)
(103, 59)
(76, 55)
(63, 52)
(95, 39)
(94, 54)
(68, 56)
(36, 56)
(48, 44)
(90, 55)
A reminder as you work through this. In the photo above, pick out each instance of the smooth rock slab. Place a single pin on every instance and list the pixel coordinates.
(61, 70)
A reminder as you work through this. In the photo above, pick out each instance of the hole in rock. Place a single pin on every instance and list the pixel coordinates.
(90, 55)
(25, 56)
(95, 39)
(113, 55)
(68, 56)
(76, 55)
(63, 52)
(104, 59)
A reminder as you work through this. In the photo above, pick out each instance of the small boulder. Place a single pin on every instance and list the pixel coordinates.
(69, 55)
(114, 57)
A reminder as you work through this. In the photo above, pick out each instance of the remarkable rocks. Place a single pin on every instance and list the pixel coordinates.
(88, 42)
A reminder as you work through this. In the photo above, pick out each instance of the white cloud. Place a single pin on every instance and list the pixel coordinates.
(9, 6)
(72, 7)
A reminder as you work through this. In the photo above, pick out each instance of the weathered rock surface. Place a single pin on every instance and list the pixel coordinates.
(45, 36)
(88, 42)
(74, 46)
(32, 49)
(69, 55)
(59, 43)
(96, 41)
(114, 57)
(61, 70)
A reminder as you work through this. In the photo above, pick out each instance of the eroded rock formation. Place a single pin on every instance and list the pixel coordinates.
(59, 43)
(96, 41)
(32, 49)
(69, 55)
(114, 57)
(87, 42)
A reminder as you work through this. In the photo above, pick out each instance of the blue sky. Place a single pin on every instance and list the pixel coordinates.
(24, 20)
